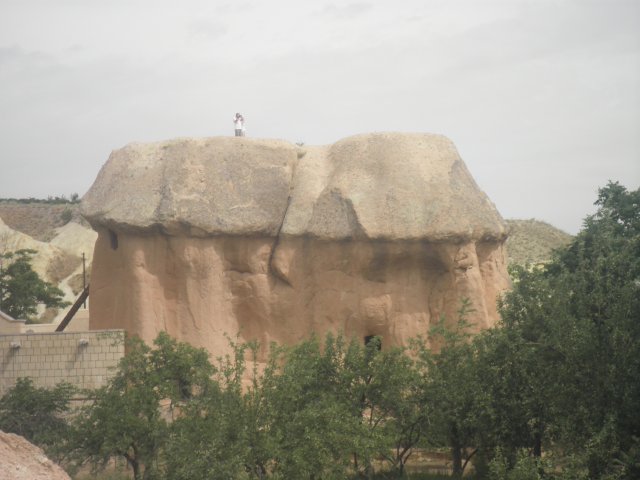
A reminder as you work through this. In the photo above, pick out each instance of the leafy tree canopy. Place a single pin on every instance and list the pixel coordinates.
(564, 368)
(129, 417)
(37, 414)
(21, 289)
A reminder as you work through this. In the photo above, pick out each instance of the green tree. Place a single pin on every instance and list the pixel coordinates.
(130, 416)
(225, 432)
(312, 411)
(601, 273)
(521, 365)
(37, 414)
(21, 289)
(396, 391)
(383, 389)
(525, 467)
(340, 405)
(451, 393)
(563, 369)
(310, 420)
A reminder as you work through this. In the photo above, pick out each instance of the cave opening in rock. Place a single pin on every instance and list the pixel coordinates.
(113, 239)
(373, 339)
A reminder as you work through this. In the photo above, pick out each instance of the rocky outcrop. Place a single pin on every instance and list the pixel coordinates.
(378, 234)
(21, 460)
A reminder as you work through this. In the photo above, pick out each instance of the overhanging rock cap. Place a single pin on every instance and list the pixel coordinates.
(379, 186)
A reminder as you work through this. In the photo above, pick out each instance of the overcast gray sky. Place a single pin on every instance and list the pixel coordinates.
(541, 97)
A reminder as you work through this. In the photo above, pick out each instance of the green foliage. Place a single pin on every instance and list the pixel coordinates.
(51, 200)
(551, 392)
(315, 411)
(21, 289)
(628, 462)
(394, 401)
(525, 468)
(208, 439)
(342, 405)
(126, 418)
(180, 371)
(311, 420)
(38, 414)
(600, 274)
(223, 432)
(447, 388)
(520, 367)
(563, 370)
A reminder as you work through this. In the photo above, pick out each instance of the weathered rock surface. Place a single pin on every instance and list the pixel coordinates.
(389, 187)
(12, 240)
(195, 187)
(21, 460)
(378, 234)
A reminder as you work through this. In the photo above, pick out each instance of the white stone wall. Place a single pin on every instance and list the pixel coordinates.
(84, 359)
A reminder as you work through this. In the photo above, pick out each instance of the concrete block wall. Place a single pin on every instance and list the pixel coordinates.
(84, 359)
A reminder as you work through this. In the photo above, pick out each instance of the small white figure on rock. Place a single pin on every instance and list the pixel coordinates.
(238, 121)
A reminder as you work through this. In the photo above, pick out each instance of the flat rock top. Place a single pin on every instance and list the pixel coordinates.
(391, 186)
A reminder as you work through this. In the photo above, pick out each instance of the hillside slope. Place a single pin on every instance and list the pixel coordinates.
(39, 220)
(533, 241)
(60, 245)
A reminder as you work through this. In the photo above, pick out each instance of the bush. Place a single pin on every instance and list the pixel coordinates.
(37, 414)
(525, 468)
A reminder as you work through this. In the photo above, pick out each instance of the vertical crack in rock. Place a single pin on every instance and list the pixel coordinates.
(166, 200)
(273, 269)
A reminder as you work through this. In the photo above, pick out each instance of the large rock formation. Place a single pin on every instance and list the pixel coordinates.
(378, 234)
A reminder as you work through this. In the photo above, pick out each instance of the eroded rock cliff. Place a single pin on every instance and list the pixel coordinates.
(378, 234)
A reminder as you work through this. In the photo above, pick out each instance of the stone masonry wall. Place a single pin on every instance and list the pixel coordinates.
(84, 359)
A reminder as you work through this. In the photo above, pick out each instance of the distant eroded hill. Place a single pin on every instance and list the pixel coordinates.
(533, 241)
(39, 220)
(59, 236)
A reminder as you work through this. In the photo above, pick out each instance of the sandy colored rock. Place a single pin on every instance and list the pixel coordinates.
(195, 187)
(12, 240)
(75, 239)
(21, 460)
(390, 186)
(378, 234)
